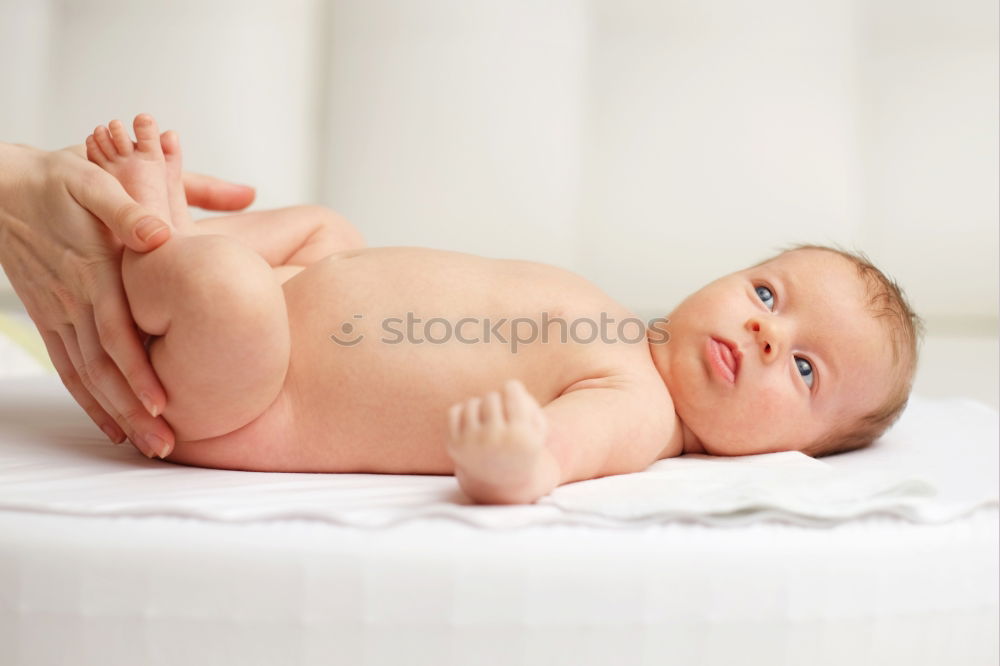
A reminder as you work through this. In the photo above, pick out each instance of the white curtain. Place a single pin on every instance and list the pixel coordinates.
(651, 146)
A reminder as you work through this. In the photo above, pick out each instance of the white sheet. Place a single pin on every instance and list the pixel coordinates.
(877, 591)
(54, 461)
(166, 589)
(938, 462)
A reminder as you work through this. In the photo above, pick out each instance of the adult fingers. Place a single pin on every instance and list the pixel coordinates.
(119, 338)
(71, 380)
(213, 194)
(102, 194)
(149, 434)
(67, 335)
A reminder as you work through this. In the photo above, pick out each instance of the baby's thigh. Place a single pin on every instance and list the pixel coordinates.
(223, 354)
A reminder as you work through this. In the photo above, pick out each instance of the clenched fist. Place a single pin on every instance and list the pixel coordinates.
(498, 444)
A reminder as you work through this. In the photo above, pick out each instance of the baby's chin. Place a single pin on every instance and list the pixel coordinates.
(698, 439)
(693, 443)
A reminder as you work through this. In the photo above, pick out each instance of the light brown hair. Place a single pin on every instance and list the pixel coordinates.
(905, 329)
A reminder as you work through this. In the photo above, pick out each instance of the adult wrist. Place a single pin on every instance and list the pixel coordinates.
(8, 160)
(12, 165)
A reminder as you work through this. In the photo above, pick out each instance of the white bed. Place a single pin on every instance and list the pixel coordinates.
(89, 578)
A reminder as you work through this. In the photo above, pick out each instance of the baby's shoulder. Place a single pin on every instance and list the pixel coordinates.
(633, 411)
(633, 377)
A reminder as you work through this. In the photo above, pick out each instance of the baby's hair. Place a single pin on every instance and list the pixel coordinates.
(905, 328)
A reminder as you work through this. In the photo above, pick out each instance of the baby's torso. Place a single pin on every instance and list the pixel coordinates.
(384, 340)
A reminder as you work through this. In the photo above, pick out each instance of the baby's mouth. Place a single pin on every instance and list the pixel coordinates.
(724, 357)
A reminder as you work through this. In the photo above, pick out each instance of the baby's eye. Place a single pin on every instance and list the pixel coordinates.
(764, 294)
(806, 370)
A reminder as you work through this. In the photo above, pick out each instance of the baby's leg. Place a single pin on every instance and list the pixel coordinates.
(223, 343)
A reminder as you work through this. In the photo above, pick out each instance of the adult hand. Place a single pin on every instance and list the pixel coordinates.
(63, 222)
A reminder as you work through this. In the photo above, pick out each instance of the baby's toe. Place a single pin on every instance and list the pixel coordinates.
(120, 137)
(104, 142)
(94, 153)
(147, 135)
(171, 144)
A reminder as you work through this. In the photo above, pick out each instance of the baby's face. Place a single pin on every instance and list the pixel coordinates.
(775, 356)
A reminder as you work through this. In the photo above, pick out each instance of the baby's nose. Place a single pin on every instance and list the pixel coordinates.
(766, 336)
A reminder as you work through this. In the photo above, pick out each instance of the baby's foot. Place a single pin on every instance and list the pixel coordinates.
(141, 167)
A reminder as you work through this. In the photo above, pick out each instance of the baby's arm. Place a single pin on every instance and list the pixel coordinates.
(289, 239)
(507, 449)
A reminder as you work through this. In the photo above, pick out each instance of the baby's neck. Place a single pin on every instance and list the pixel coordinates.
(682, 441)
(691, 443)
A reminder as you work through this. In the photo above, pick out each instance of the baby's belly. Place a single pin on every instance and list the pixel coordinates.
(372, 376)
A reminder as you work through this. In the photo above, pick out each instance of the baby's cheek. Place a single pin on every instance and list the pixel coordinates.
(752, 426)
(768, 409)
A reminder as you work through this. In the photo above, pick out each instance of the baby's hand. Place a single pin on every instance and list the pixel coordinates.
(497, 441)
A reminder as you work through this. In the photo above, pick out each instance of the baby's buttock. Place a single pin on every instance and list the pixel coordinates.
(384, 341)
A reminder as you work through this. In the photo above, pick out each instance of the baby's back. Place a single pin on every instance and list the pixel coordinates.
(384, 340)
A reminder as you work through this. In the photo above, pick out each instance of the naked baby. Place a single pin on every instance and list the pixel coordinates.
(284, 344)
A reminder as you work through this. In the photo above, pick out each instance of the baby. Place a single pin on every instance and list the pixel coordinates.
(284, 344)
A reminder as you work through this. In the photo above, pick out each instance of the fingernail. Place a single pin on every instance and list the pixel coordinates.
(110, 432)
(147, 402)
(149, 227)
(158, 444)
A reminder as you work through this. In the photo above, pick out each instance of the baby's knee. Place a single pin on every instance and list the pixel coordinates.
(229, 290)
(224, 273)
(230, 302)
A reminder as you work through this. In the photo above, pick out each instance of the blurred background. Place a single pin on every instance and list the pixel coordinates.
(650, 146)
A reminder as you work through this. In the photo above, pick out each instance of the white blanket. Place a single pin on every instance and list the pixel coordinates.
(938, 463)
